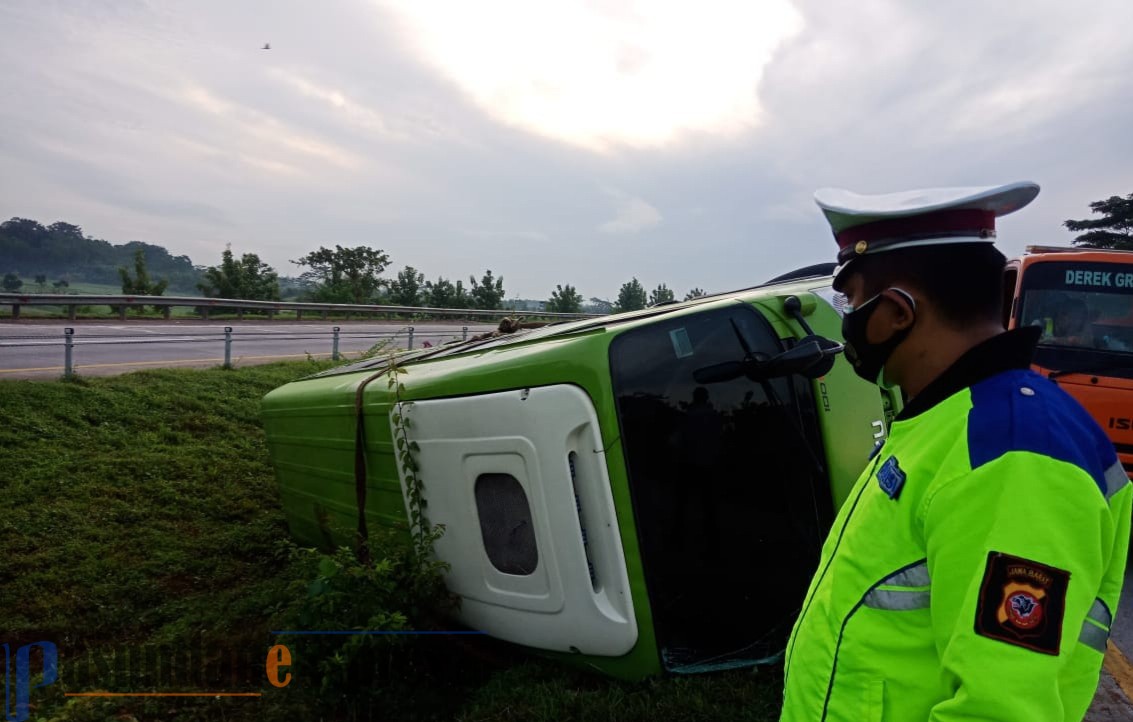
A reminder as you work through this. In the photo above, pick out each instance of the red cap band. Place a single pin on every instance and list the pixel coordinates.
(965, 222)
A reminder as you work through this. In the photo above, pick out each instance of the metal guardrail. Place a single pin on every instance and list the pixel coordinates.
(68, 341)
(167, 303)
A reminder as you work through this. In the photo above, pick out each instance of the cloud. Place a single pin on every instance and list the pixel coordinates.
(495, 135)
(634, 215)
(603, 75)
(533, 236)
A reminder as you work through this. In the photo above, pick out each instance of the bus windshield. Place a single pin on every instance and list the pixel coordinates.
(1083, 306)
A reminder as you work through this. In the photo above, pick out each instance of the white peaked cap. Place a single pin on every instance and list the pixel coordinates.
(866, 224)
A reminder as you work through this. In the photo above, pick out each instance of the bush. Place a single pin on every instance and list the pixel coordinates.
(396, 594)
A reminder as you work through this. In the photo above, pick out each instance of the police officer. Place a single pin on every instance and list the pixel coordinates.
(975, 568)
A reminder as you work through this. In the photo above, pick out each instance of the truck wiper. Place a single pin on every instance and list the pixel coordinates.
(1091, 369)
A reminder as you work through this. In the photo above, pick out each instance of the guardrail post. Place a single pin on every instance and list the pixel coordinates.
(334, 348)
(122, 312)
(15, 311)
(166, 312)
(227, 347)
(204, 313)
(410, 338)
(465, 336)
(299, 314)
(68, 346)
(72, 311)
(239, 314)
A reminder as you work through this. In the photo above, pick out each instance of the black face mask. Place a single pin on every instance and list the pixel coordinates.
(869, 359)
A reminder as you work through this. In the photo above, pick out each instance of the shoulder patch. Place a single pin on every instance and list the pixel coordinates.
(1022, 602)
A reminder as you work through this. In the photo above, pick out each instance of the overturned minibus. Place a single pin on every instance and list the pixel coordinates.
(639, 493)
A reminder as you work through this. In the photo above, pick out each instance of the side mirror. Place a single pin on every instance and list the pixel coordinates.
(812, 357)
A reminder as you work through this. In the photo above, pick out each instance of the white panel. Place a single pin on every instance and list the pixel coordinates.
(529, 434)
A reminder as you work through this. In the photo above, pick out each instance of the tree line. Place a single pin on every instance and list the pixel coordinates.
(62, 252)
(355, 275)
(341, 274)
(57, 254)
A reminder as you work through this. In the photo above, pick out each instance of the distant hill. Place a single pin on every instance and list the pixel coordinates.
(60, 250)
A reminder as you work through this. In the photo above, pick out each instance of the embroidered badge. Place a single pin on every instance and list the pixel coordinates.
(890, 477)
(1021, 602)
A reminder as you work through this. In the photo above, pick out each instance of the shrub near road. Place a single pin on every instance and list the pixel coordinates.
(141, 511)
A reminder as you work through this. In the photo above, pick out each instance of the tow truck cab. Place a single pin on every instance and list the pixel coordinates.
(637, 493)
(1083, 301)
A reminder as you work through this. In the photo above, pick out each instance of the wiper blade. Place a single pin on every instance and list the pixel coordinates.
(1091, 369)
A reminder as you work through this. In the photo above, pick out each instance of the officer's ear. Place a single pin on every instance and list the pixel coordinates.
(903, 308)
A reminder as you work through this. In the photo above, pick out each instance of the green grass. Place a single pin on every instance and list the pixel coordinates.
(142, 510)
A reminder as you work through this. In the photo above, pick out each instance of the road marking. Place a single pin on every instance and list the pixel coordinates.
(79, 367)
(1119, 668)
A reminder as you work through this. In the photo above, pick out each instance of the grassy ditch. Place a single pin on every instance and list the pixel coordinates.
(140, 521)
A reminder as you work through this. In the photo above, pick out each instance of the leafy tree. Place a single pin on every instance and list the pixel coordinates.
(661, 294)
(488, 293)
(247, 278)
(41, 281)
(12, 282)
(695, 293)
(565, 299)
(344, 275)
(445, 294)
(1113, 230)
(600, 305)
(61, 284)
(631, 297)
(140, 284)
(407, 289)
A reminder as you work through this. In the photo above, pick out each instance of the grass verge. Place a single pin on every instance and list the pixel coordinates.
(140, 517)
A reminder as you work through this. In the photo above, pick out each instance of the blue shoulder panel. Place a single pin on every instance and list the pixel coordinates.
(1022, 411)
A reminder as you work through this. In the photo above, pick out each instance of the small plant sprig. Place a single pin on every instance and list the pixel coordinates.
(423, 534)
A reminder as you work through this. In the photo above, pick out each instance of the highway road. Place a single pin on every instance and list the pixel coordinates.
(36, 350)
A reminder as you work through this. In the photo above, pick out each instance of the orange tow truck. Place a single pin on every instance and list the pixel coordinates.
(1083, 300)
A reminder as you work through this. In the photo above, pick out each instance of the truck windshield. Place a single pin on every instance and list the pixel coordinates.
(727, 483)
(1085, 311)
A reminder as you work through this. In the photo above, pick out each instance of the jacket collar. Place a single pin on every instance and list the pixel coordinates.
(1003, 352)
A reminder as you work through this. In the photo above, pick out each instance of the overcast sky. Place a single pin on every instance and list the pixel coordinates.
(553, 142)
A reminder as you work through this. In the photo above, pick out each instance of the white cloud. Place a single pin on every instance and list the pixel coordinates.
(633, 216)
(531, 236)
(451, 137)
(604, 74)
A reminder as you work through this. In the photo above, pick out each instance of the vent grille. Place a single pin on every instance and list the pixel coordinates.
(571, 461)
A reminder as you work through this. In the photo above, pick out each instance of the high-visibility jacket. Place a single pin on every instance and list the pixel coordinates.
(974, 570)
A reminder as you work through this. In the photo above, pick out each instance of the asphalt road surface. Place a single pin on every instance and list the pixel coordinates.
(36, 350)
(1114, 700)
